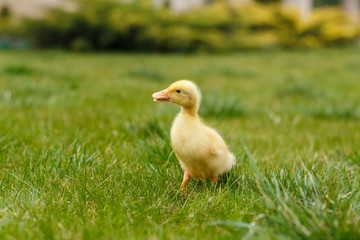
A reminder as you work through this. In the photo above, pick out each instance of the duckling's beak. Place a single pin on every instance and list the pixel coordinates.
(162, 96)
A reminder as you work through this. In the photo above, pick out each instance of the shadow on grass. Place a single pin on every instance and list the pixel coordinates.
(215, 105)
(298, 90)
(18, 70)
(236, 72)
(345, 112)
(146, 73)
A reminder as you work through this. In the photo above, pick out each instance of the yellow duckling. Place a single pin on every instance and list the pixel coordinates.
(200, 150)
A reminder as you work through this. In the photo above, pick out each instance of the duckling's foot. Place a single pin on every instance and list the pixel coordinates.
(214, 180)
(185, 180)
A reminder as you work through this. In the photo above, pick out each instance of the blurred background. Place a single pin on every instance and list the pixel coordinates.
(85, 152)
(178, 25)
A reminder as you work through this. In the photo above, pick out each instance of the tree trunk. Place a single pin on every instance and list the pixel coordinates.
(235, 2)
(303, 6)
(351, 7)
(183, 5)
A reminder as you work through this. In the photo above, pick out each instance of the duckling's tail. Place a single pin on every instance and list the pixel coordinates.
(233, 158)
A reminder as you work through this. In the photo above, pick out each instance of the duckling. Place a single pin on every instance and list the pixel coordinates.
(200, 150)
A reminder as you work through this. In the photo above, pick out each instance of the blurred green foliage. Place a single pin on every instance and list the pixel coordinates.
(106, 25)
(316, 3)
(5, 12)
(7, 26)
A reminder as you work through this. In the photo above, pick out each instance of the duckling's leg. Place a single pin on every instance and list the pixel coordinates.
(185, 180)
(214, 180)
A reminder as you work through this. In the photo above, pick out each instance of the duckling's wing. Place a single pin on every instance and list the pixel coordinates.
(220, 158)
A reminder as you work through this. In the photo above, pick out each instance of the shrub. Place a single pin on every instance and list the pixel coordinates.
(217, 27)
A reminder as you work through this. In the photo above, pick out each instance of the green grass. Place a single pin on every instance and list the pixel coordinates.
(85, 153)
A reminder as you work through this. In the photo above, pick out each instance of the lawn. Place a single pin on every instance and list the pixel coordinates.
(85, 152)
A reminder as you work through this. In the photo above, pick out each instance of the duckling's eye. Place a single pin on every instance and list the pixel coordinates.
(178, 91)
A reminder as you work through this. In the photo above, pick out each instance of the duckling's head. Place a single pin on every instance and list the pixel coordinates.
(184, 93)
